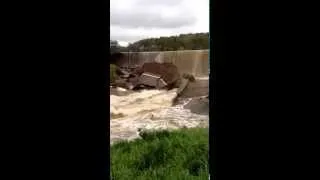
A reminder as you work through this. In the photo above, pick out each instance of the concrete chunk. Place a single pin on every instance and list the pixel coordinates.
(158, 75)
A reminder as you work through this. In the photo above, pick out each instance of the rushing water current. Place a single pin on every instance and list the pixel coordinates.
(150, 110)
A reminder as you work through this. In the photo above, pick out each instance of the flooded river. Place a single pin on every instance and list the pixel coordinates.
(149, 110)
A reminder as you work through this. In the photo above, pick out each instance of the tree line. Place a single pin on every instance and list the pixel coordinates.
(191, 41)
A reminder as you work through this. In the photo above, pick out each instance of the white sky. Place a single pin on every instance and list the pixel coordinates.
(133, 20)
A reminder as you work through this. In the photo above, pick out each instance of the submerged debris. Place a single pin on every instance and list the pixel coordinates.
(198, 106)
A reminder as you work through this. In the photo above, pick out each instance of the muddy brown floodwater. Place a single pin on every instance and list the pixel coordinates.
(149, 110)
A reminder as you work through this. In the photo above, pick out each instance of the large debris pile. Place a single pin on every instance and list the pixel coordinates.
(150, 75)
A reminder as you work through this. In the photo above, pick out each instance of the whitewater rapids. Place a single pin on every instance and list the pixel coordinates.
(149, 110)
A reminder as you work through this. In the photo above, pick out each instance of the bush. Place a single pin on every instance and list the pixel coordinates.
(113, 73)
(181, 154)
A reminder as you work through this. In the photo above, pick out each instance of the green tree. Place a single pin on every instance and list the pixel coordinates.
(172, 43)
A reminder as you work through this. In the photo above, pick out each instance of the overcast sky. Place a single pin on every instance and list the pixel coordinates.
(133, 20)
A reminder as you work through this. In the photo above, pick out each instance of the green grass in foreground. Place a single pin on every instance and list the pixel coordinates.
(162, 155)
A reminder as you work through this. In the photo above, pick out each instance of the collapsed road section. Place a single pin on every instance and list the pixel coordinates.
(151, 76)
(146, 73)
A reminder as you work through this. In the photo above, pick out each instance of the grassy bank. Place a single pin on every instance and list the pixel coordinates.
(181, 155)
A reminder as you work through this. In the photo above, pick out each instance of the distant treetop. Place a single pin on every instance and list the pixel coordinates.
(189, 41)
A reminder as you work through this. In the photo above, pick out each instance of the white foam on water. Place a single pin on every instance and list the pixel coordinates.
(150, 110)
(137, 102)
(121, 89)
